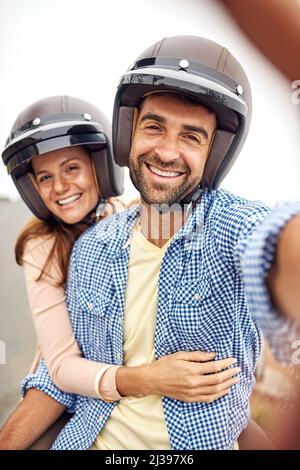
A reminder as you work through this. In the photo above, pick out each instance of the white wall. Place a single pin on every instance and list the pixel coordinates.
(81, 48)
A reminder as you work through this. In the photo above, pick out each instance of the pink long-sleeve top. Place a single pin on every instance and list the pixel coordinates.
(68, 369)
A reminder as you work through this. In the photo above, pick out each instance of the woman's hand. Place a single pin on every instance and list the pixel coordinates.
(187, 376)
(114, 205)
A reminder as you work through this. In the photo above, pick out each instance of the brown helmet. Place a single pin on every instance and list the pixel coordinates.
(201, 69)
(54, 123)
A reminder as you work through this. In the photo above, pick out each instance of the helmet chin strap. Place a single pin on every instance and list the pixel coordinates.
(100, 208)
(95, 215)
(187, 203)
(194, 197)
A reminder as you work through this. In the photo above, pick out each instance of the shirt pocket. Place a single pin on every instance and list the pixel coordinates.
(92, 302)
(193, 293)
(96, 309)
(198, 320)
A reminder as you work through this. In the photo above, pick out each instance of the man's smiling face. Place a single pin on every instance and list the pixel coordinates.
(170, 147)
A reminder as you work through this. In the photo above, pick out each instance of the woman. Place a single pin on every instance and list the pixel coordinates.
(59, 157)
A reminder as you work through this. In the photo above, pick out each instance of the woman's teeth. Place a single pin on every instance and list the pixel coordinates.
(68, 200)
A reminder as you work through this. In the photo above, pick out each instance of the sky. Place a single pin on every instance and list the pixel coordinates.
(82, 47)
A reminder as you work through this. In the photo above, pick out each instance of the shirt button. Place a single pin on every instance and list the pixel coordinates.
(119, 356)
(197, 296)
(121, 321)
(100, 418)
(90, 306)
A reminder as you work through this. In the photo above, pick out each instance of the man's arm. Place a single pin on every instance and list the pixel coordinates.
(274, 27)
(251, 238)
(43, 403)
(284, 277)
(191, 376)
(29, 421)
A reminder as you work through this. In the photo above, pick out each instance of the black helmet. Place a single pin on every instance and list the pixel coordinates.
(54, 123)
(201, 69)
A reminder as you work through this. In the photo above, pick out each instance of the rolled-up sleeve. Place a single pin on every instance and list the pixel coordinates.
(256, 256)
(42, 381)
(247, 233)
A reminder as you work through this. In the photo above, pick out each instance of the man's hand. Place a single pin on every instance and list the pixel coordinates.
(187, 376)
(33, 416)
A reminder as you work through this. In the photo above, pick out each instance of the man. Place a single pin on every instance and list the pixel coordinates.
(174, 274)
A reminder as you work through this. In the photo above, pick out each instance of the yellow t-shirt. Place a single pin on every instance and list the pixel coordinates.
(138, 422)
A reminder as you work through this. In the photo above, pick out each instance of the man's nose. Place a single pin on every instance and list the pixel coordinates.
(167, 148)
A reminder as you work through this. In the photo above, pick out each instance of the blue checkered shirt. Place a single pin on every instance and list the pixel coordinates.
(211, 297)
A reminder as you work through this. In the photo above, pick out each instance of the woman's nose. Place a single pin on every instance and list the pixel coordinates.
(60, 184)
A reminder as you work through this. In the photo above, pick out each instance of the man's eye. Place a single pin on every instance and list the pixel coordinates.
(152, 127)
(193, 138)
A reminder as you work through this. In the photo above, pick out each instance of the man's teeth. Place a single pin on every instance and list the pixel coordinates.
(168, 174)
(73, 198)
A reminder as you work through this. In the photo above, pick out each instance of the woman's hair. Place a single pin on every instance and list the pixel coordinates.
(64, 236)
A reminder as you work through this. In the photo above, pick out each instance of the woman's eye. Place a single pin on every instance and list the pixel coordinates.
(44, 178)
(71, 168)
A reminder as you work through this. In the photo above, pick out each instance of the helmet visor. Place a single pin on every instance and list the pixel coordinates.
(35, 142)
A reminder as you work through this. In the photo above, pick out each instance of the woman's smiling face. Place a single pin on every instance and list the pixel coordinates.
(66, 183)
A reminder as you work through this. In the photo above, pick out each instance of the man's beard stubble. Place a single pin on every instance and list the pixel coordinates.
(152, 196)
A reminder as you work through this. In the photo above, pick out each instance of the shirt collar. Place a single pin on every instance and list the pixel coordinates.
(116, 234)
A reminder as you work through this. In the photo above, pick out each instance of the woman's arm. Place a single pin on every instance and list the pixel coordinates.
(68, 369)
